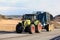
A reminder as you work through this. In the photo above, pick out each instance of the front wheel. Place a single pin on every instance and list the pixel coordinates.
(19, 28)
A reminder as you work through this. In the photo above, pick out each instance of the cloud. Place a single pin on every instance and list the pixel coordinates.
(52, 6)
(5, 8)
(13, 8)
(13, 1)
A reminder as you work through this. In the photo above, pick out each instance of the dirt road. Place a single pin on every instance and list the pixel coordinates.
(25, 36)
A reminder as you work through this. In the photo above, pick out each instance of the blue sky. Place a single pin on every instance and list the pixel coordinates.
(20, 7)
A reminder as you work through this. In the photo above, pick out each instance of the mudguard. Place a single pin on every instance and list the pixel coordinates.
(27, 22)
(36, 22)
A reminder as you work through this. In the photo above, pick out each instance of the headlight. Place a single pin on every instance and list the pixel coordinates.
(44, 24)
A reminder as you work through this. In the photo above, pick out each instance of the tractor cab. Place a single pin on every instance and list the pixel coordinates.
(31, 17)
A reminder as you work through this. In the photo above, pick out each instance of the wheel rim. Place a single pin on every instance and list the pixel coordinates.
(32, 28)
(39, 27)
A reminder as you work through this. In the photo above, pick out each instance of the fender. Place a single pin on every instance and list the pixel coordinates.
(36, 22)
(27, 22)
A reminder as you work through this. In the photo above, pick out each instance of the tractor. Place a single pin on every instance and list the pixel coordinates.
(35, 23)
(29, 24)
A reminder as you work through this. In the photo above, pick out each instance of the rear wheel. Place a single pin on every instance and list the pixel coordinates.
(32, 29)
(47, 27)
(50, 27)
(38, 28)
(19, 28)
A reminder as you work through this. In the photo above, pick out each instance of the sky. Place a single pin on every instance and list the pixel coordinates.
(20, 7)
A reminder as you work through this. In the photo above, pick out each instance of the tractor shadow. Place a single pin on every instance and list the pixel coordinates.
(6, 32)
(14, 32)
(43, 30)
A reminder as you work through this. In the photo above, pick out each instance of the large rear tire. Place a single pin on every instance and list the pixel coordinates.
(19, 28)
(32, 29)
(38, 28)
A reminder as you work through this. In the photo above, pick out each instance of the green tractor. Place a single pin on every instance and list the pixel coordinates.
(29, 24)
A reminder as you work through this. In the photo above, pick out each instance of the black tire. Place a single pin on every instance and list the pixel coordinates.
(27, 29)
(19, 28)
(38, 28)
(50, 27)
(32, 29)
(47, 27)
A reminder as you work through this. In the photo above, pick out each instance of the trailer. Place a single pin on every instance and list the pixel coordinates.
(46, 20)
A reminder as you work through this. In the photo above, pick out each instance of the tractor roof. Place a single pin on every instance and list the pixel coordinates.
(30, 14)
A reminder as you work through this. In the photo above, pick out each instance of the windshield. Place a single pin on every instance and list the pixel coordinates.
(30, 17)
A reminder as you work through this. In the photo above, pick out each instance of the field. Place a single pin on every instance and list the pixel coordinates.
(57, 24)
(8, 25)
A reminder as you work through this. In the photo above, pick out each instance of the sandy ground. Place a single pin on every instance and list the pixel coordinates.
(25, 36)
(8, 25)
(57, 24)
